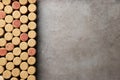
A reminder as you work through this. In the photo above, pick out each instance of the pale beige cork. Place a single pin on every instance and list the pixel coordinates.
(16, 14)
(24, 55)
(8, 27)
(1, 78)
(17, 51)
(1, 5)
(8, 9)
(23, 9)
(2, 42)
(31, 77)
(32, 7)
(1, 31)
(23, 28)
(32, 16)
(31, 60)
(24, 19)
(23, 74)
(9, 56)
(16, 40)
(14, 78)
(8, 36)
(24, 66)
(8, 19)
(2, 23)
(32, 1)
(17, 61)
(23, 2)
(32, 25)
(6, 74)
(31, 70)
(6, 2)
(1, 69)
(10, 66)
(31, 42)
(16, 72)
(3, 61)
(32, 34)
(23, 45)
(16, 32)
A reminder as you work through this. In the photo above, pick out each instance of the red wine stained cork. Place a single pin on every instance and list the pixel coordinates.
(23, 45)
(1, 70)
(3, 51)
(16, 32)
(31, 42)
(32, 25)
(31, 34)
(24, 19)
(9, 46)
(16, 23)
(6, 74)
(16, 14)
(31, 77)
(24, 37)
(16, 40)
(16, 72)
(8, 36)
(8, 27)
(31, 60)
(31, 51)
(23, 74)
(8, 9)
(10, 66)
(2, 42)
(31, 70)
(15, 5)
(8, 19)
(32, 16)
(23, 28)
(32, 8)
(17, 51)
(6, 2)
(3, 61)
(9, 56)
(14, 78)
(32, 1)
(1, 31)
(24, 56)
(17, 61)
(24, 66)
(2, 14)
(1, 6)
(23, 2)
(23, 9)
(2, 22)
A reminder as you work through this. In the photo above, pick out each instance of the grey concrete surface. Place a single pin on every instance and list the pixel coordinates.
(79, 40)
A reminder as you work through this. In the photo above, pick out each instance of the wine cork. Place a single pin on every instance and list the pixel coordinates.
(1, 70)
(24, 56)
(32, 16)
(9, 56)
(24, 19)
(16, 14)
(32, 25)
(23, 45)
(6, 2)
(2, 22)
(16, 61)
(2, 14)
(1, 31)
(16, 32)
(23, 9)
(16, 72)
(1, 6)
(8, 9)
(17, 51)
(8, 27)
(15, 5)
(31, 51)
(1, 78)
(10, 66)
(6, 74)
(32, 1)
(23, 28)
(2, 42)
(32, 8)
(3, 51)
(8, 36)
(31, 70)
(23, 2)
(23, 74)
(23, 37)
(24, 66)
(16, 40)
(31, 60)
(31, 77)
(3, 61)
(16, 23)
(31, 42)
(31, 34)
(8, 19)
(9, 46)
(14, 78)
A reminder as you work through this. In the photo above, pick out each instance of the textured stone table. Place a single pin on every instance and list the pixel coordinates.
(79, 40)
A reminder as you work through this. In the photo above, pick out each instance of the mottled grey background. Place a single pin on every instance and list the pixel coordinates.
(78, 40)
